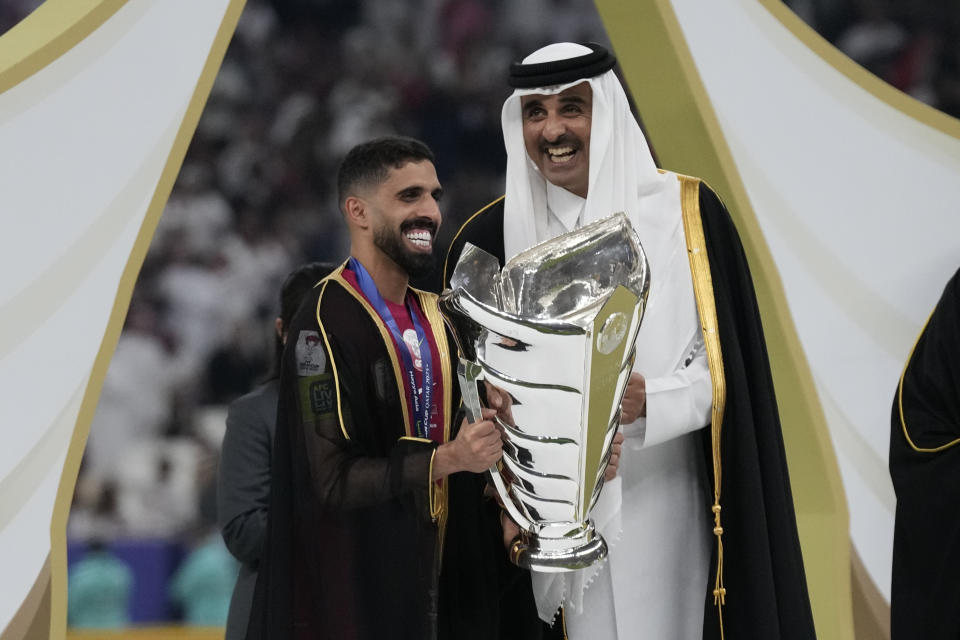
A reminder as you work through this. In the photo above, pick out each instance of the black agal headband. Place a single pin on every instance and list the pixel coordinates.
(546, 74)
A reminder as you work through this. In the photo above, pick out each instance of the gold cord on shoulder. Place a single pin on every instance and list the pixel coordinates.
(706, 306)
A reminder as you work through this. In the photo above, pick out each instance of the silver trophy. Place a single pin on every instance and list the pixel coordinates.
(555, 329)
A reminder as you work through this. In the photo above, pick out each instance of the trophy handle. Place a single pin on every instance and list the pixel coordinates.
(469, 373)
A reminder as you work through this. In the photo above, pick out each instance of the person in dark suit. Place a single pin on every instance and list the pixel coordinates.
(243, 490)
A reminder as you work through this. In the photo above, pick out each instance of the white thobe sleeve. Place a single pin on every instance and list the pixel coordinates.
(677, 403)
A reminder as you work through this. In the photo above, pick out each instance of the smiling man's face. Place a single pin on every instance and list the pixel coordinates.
(556, 134)
(406, 217)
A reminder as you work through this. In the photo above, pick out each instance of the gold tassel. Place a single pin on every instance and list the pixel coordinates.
(719, 591)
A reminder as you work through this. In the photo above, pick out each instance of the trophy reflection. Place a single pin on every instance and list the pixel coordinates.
(554, 330)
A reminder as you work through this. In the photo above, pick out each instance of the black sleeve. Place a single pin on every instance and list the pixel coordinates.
(324, 406)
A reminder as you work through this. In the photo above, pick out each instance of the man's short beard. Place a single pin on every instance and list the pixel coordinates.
(391, 243)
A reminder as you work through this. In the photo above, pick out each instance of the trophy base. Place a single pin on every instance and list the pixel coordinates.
(528, 554)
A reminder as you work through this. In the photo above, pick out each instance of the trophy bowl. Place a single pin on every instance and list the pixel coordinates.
(555, 331)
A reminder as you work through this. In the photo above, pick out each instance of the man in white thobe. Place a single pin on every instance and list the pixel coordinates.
(575, 154)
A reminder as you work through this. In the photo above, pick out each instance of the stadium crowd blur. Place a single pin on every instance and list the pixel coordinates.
(302, 82)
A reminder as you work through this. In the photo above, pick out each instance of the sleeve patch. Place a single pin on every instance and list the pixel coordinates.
(311, 359)
(322, 396)
(318, 396)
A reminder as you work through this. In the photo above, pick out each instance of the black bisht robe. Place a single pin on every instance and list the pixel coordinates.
(766, 588)
(925, 469)
(356, 529)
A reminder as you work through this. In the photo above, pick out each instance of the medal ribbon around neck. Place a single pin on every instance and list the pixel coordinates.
(422, 399)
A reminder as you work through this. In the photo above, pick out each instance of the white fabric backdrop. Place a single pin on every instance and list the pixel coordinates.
(858, 203)
(83, 144)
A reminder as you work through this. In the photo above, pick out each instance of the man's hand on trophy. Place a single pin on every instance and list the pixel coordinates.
(634, 404)
(476, 448)
(478, 443)
(500, 400)
(614, 463)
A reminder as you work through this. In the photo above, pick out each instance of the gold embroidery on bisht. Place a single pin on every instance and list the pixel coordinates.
(706, 306)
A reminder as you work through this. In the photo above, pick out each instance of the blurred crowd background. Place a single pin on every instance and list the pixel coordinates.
(302, 82)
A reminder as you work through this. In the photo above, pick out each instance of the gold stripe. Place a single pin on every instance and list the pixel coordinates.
(68, 479)
(387, 341)
(333, 361)
(903, 422)
(446, 260)
(434, 508)
(55, 27)
(706, 306)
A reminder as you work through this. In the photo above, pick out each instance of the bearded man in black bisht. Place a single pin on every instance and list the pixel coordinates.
(925, 469)
(378, 528)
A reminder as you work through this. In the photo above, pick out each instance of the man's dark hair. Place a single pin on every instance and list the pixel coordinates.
(295, 288)
(370, 163)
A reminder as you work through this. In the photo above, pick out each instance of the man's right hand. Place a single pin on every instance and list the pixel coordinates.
(476, 448)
